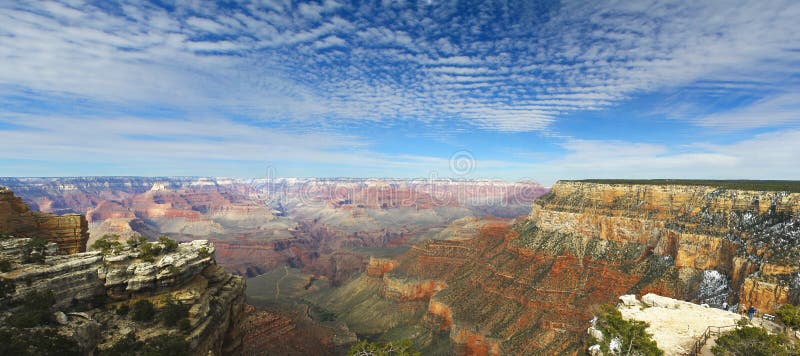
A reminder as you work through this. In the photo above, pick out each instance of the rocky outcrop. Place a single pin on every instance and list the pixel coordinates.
(676, 324)
(216, 312)
(69, 232)
(763, 295)
(751, 237)
(84, 276)
(214, 298)
(124, 274)
(377, 267)
(403, 289)
(529, 286)
(73, 279)
(87, 287)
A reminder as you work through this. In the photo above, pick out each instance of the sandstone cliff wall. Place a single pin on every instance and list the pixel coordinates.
(69, 232)
(215, 299)
(97, 283)
(751, 237)
(530, 286)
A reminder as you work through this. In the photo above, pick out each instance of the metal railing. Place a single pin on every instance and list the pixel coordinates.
(710, 331)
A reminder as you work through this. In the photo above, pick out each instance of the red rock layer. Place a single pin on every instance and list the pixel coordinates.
(271, 333)
(531, 288)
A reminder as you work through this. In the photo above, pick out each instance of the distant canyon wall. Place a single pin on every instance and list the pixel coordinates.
(751, 237)
(260, 224)
(530, 286)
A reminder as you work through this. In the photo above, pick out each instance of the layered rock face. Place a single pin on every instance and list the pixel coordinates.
(88, 287)
(270, 332)
(750, 237)
(215, 299)
(69, 232)
(529, 286)
(321, 226)
(261, 224)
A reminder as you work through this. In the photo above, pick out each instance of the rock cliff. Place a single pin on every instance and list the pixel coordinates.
(750, 237)
(261, 224)
(69, 232)
(92, 291)
(99, 284)
(529, 286)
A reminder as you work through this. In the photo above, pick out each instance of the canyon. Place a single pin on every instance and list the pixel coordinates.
(465, 269)
(529, 285)
(327, 228)
(260, 224)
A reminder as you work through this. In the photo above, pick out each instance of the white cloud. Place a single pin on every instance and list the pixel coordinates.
(771, 111)
(395, 62)
(323, 67)
(196, 147)
(223, 147)
(765, 156)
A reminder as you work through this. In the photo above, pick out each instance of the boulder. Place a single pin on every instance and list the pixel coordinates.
(629, 300)
(595, 333)
(655, 300)
(61, 318)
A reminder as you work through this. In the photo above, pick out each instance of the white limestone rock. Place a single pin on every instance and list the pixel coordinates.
(655, 300)
(595, 333)
(594, 350)
(629, 300)
(61, 318)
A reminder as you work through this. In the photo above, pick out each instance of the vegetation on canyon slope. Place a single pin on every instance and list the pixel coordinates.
(629, 336)
(389, 348)
(30, 329)
(789, 315)
(167, 344)
(7, 287)
(753, 341)
(35, 250)
(143, 311)
(110, 244)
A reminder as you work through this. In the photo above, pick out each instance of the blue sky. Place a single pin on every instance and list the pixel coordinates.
(515, 89)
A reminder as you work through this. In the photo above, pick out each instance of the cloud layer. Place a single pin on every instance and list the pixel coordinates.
(211, 145)
(508, 66)
(277, 80)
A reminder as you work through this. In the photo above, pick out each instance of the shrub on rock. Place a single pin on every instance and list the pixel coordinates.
(143, 311)
(7, 287)
(789, 315)
(174, 345)
(753, 341)
(624, 335)
(173, 311)
(36, 310)
(107, 244)
(40, 342)
(169, 245)
(35, 250)
(123, 310)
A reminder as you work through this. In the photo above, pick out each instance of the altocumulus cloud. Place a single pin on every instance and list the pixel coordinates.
(505, 66)
(510, 66)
